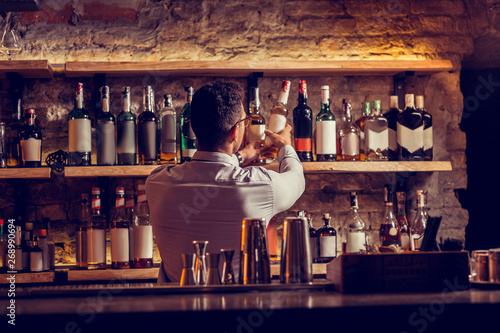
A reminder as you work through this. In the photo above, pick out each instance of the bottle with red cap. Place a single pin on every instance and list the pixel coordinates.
(120, 233)
(96, 234)
(44, 247)
(30, 138)
(302, 125)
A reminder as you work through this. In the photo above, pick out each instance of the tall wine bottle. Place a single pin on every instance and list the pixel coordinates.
(326, 130)
(188, 138)
(302, 125)
(30, 139)
(168, 132)
(277, 119)
(125, 132)
(80, 132)
(147, 129)
(105, 131)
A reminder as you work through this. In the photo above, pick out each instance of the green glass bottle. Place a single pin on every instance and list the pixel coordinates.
(188, 138)
(125, 132)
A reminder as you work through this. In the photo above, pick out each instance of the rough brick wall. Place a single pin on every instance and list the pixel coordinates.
(143, 30)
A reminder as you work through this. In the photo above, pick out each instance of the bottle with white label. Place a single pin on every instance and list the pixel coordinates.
(30, 138)
(167, 128)
(390, 233)
(417, 228)
(188, 138)
(105, 131)
(326, 130)
(376, 135)
(147, 129)
(354, 229)
(36, 257)
(327, 240)
(392, 122)
(80, 132)
(129, 211)
(349, 135)
(143, 232)
(277, 119)
(125, 132)
(428, 137)
(120, 256)
(96, 234)
(44, 246)
(410, 132)
(257, 126)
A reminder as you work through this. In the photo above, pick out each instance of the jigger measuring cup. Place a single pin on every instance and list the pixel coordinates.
(255, 266)
(187, 275)
(200, 266)
(227, 268)
(213, 276)
(296, 256)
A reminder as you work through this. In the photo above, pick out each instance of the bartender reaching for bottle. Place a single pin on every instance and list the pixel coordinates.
(208, 197)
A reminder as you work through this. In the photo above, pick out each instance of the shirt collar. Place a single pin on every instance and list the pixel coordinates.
(212, 156)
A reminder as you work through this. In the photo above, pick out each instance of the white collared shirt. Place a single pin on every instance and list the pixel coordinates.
(207, 199)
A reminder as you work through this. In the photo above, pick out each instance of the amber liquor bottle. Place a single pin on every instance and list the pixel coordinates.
(79, 132)
(302, 125)
(30, 139)
(147, 129)
(277, 119)
(428, 137)
(327, 240)
(403, 221)
(392, 122)
(13, 127)
(410, 132)
(390, 233)
(120, 233)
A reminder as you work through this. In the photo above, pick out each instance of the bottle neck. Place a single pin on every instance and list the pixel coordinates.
(96, 205)
(283, 97)
(79, 100)
(326, 222)
(120, 201)
(29, 120)
(126, 100)
(105, 104)
(302, 99)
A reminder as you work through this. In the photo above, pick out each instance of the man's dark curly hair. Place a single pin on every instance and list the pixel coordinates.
(215, 108)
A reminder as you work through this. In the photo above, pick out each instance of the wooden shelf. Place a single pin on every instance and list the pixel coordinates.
(21, 278)
(109, 171)
(113, 274)
(243, 68)
(26, 68)
(385, 166)
(27, 173)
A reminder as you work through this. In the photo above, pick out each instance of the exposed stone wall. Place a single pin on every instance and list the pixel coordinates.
(142, 30)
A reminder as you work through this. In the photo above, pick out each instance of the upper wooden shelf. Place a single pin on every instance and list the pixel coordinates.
(109, 171)
(26, 68)
(243, 68)
(27, 173)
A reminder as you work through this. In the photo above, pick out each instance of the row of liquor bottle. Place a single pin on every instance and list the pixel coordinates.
(354, 233)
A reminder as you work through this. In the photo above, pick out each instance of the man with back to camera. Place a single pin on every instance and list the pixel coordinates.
(208, 197)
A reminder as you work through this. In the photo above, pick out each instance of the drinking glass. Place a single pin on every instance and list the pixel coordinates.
(10, 43)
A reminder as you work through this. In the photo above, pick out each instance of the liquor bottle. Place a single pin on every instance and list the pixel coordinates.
(277, 119)
(257, 126)
(326, 130)
(313, 239)
(376, 135)
(392, 122)
(143, 232)
(125, 132)
(44, 246)
(168, 132)
(30, 141)
(119, 233)
(361, 124)
(13, 127)
(402, 220)
(417, 228)
(3, 249)
(327, 240)
(27, 244)
(96, 234)
(80, 132)
(18, 251)
(147, 129)
(3, 147)
(349, 134)
(188, 138)
(129, 211)
(353, 233)
(105, 131)
(428, 137)
(390, 233)
(81, 232)
(410, 132)
(302, 125)
(36, 257)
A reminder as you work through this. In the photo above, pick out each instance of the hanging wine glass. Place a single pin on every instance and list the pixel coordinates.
(11, 39)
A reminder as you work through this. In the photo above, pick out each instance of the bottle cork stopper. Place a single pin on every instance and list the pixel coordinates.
(326, 215)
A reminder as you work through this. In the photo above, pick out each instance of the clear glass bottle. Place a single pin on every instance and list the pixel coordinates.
(188, 138)
(119, 233)
(302, 125)
(403, 221)
(410, 132)
(354, 229)
(96, 234)
(30, 141)
(313, 239)
(80, 132)
(277, 119)
(36, 257)
(349, 134)
(392, 122)
(168, 132)
(327, 240)
(44, 246)
(129, 210)
(147, 129)
(257, 126)
(27, 244)
(125, 132)
(376, 135)
(143, 232)
(13, 127)
(428, 137)
(390, 233)
(361, 121)
(105, 131)
(326, 130)
(81, 231)
(417, 228)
